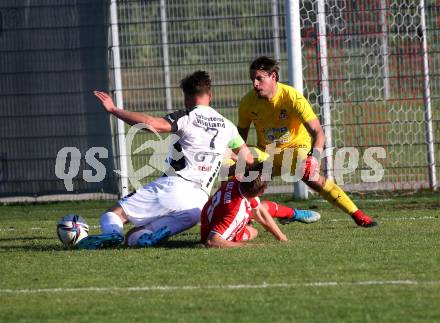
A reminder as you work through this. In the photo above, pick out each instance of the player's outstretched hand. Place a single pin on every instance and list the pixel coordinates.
(283, 238)
(106, 101)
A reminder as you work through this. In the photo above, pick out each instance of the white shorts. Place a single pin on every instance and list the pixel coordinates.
(162, 197)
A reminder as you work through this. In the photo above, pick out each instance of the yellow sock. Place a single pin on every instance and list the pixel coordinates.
(336, 196)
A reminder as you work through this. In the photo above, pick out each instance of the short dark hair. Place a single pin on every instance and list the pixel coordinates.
(267, 64)
(253, 188)
(196, 83)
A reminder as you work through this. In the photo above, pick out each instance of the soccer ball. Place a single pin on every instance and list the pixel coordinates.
(71, 229)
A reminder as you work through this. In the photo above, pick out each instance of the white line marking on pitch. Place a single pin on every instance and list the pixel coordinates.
(196, 287)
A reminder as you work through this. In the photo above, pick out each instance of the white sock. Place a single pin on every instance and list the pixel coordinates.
(111, 223)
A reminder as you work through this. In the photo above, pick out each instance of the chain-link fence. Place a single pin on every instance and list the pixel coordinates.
(374, 62)
(54, 53)
(377, 83)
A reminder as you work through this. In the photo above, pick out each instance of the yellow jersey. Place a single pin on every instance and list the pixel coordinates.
(279, 120)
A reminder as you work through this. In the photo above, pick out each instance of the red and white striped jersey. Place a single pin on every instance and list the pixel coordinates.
(227, 212)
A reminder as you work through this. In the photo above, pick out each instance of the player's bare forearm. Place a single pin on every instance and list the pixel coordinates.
(215, 241)
(132, 118)
(318, 137)
(262, 216)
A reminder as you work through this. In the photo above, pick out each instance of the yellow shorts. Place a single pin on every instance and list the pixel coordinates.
(285, 161)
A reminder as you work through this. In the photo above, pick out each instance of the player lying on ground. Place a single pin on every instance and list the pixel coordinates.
(284, 214)
(225, 217)
(173, 202)
(284, 118)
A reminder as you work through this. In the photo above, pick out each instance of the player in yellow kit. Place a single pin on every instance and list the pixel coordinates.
(285, 123)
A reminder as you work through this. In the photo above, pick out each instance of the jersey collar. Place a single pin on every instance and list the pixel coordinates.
(277, 94)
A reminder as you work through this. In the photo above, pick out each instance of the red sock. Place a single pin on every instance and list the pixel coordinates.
(278, 210)
(361, 218)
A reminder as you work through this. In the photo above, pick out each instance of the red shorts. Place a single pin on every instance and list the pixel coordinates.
(242, 235)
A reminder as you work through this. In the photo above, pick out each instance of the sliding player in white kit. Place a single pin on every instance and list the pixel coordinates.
(173, 202)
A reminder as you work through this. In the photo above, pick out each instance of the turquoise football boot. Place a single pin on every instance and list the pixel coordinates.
(151, 239)
(100, 241)
(304, 216)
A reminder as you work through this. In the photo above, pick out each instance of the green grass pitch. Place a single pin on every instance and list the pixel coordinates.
(330, 271)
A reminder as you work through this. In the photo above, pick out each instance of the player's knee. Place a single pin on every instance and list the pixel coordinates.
(252, 232)
(190, 218)
(180, 222)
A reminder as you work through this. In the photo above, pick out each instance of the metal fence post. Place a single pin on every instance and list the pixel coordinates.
(294, 54)
(166, 57)
(276, 30)
(122, 153)
(384, 49)
(427, 101)
(325, 89)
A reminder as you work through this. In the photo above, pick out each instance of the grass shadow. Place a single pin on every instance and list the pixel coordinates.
(25, 238)
(189, 240)
(185, 240)
(177, 244)
(32, 248)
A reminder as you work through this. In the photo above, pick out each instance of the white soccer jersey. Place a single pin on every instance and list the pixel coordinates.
(203, 135)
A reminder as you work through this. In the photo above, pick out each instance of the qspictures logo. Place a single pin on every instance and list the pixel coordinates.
(346, 160)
